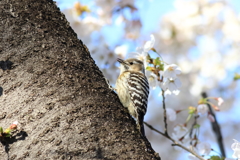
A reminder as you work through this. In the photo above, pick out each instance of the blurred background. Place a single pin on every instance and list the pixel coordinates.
(201, 36)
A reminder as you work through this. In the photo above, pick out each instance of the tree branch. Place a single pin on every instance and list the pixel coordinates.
(165, 114)
(216, 128)
(175, 143)
(165, 134)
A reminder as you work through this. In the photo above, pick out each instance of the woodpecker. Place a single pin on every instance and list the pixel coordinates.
(133, 89)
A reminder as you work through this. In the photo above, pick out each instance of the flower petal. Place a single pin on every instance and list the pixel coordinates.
(177, 82)
(235, 145)
(178, 71)
(176, 92)
(171, 71)
(236, 153)
(172, 86)
(204, 148)
(149, 44)
(202, 109)
(220, 101)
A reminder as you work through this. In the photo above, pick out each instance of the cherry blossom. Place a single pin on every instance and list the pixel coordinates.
(171, 71)
(172, 86)
(236, 148)
(220, 101)
(149, 44)
(142, 52)
(139, 55)
(152, 79)
(179, 132)
(204, 148)
(202, 109)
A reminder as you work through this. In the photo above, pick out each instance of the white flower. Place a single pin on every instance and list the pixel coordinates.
(202, 109)
(171, 71)
(220, 101)
(139, 55)
(204, 148)
(152, 79)
(171, 114)
(179, 132)
(236, 148)
(142, 52)
(172, 86)
(180, 135)
(149, 44)
(236, 153)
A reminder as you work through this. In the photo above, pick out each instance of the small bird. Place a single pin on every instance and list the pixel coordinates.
(133, 89)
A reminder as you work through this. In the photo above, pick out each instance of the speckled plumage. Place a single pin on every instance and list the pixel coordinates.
(133, 89)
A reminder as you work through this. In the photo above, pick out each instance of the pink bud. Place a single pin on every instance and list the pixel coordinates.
(13, 125)
(211, 118)
(215, 107)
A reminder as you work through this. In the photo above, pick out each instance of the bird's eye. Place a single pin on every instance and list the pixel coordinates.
(131, 63)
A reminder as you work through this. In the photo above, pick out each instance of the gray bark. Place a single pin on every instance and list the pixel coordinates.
(51, 85)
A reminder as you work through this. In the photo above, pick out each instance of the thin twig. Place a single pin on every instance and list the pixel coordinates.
(165, 134)
(151, 127)
(191, 129)
(175, 143)
(216, 128)
(165, 114)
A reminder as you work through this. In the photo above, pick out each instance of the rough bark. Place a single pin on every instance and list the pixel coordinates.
(51, 85)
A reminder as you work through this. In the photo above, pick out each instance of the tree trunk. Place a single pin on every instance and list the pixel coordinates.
(51, 85)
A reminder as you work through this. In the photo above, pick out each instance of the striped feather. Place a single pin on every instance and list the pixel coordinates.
(138, 90)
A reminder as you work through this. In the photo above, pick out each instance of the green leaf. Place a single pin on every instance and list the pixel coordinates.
(149, 68)
(189, 117)
(196, 126)
(216, 158)
(161, 67)
(236, 76)
(157, 61)
(1, 130)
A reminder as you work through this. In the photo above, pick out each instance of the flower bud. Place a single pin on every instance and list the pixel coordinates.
(14, 125)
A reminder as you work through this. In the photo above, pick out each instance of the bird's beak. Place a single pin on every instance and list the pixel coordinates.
(122, 61)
